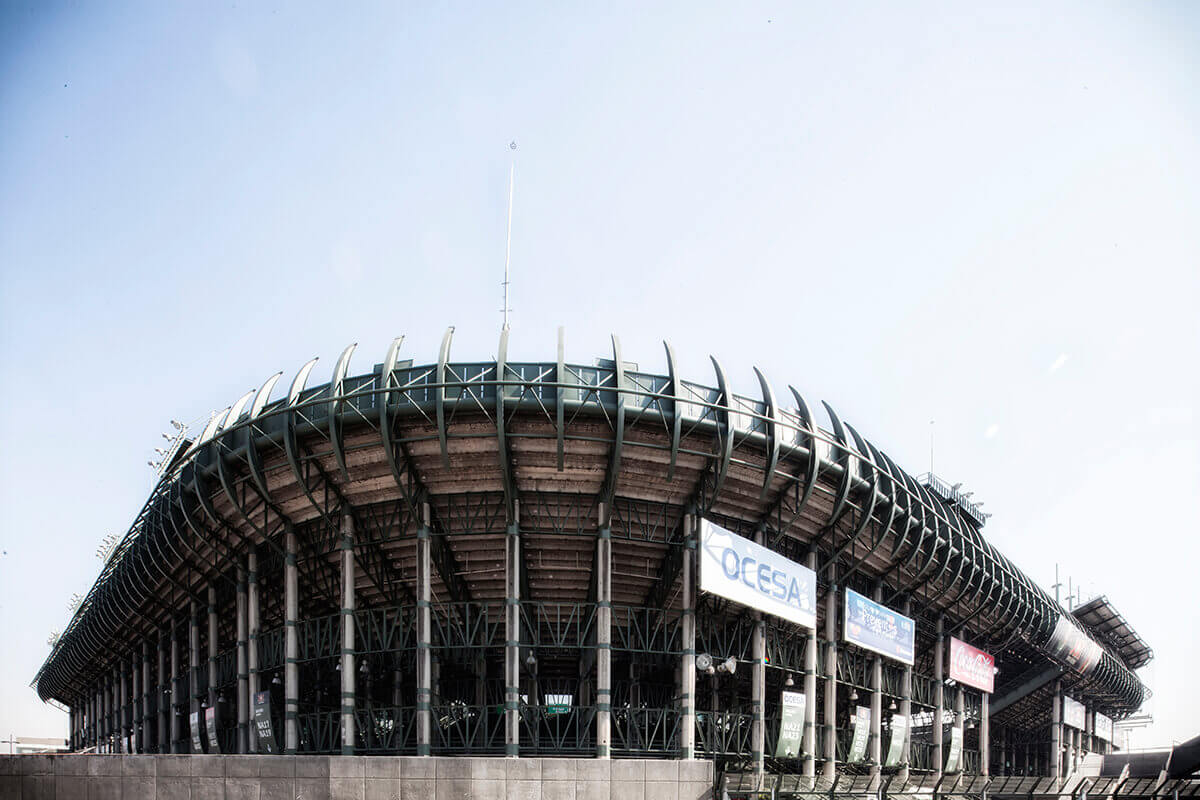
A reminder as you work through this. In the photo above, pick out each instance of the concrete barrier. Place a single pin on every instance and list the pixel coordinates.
(113, 777)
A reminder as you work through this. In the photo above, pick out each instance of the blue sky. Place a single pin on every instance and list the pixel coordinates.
(981, 217)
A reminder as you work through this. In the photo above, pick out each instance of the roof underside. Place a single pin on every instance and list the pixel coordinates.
(1108, 626)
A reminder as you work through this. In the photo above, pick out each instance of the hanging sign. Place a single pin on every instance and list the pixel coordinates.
(954, 758)
(210, 723)
(1073, 713)
(1104, 727)
(972, 667)
(194, 727)
(1073, 647)
(736, 568)
(791, 724)
(262, 723)
(896, 746)
(878, 628)
(862, 729)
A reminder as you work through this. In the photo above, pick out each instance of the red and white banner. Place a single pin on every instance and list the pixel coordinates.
(972, 667)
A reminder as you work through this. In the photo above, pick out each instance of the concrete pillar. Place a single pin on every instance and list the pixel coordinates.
(424, 633)
(348, 669)
(758, 688)
(687, 664)
(253, 624)
(173, 741)
(875, 743)
(291, 669)
(512, 646)
(906, 708)
(124, 715)
(147, 688)
(243, 675)
(135, 705)
(985, 733)
(604, 636)
(810, 691)
(939, 694)
(214, 634)
(1056, 732)
(164, 696)
(194, 663)
(959, 708)
(831, 613)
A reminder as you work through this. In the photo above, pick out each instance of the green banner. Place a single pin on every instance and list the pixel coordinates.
(862, 730)
(791, 724)
(953, 760)
(896, 746)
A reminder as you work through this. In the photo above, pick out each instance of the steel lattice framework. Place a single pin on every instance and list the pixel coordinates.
(462, 455)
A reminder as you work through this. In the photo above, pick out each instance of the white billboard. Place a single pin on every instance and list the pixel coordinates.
(1104, 727)
(1073, 713)
(738, 569)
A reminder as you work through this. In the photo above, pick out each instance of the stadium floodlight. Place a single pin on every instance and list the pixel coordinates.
(728, 665)
(704, 662)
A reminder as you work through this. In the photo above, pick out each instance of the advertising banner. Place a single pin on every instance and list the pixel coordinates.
(862, 730)
(1073, 713)
(972, 667)
(1104, 727)
(736, 568)
(262, 723)
(896, 746)
(878, 628)
(954, 758)
(1073, 647)
(210, 724)
(791, 724)
(194, 727)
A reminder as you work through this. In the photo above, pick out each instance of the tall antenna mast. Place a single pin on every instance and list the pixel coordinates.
(508, 238)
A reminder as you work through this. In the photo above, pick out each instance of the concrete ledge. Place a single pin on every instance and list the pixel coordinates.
(218, 777)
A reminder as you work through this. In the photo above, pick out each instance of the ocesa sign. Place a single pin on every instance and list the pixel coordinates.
(738, 569)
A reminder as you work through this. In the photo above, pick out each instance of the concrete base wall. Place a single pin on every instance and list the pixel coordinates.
(79, 777)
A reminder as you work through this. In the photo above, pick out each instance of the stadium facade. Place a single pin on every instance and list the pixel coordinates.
(545, 559)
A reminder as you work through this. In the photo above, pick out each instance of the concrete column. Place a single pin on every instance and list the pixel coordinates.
(194, 662)
(687, 664)
(175, 676)
(125, 712)
(213, 642)
(985, 733)
(831, 613)
(906, 708)
(135, 708)
(252, 622)
(348, 668)
(424, 633)
(939, 694)
(243, 675)
(875, 744)
(147, 688)
(959, 708)
(604, 636)
(1056, 732)
(164, 697)
(291, 669)
(758, 688)
(512, 646)
(810, 691)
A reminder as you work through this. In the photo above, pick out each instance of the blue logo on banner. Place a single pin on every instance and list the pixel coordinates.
(878, 628)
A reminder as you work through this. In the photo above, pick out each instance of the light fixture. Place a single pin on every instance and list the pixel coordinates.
(704, 662)
(337, 667)
(276, 680)
(363, 668)
(892, 706)
(530, 660)
(853, 695)
(789, 681)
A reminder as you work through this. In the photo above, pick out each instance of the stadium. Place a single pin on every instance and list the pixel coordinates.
(544, 560)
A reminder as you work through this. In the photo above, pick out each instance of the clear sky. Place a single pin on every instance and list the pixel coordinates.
(986, 218)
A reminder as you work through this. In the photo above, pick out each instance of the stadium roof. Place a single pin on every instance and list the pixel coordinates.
(1100, 617)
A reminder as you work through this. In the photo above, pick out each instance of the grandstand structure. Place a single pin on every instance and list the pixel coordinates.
(504, 558)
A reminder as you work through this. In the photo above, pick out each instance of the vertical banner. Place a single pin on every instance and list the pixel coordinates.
(736, 568)
(194, 728)
(954, 757)
(972, 667)
(862, 730)
(210, 724)
(791, 724)
(896, 746)
(1073, 713)
(878, 628)
(262, 723)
